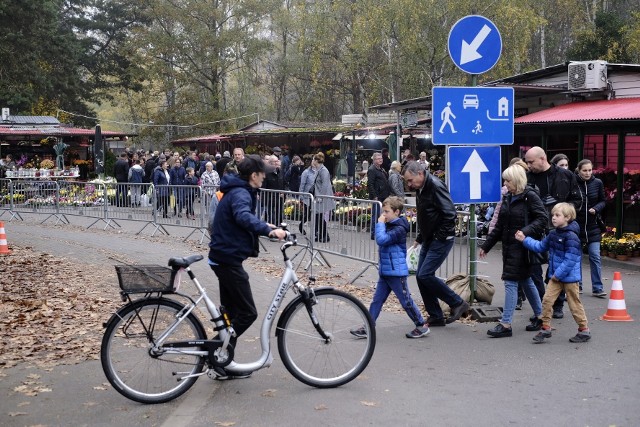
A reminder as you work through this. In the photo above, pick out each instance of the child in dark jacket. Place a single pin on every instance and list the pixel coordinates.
(391, 236)
(565, 255)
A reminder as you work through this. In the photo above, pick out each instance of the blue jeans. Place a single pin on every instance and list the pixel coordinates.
(399, 286)
(432, 255)
(595, 266)
(511, 298)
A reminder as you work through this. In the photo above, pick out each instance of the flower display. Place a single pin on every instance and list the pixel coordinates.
(47, 164)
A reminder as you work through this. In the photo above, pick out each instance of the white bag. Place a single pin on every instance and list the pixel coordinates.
(413, 255)
(144, 200)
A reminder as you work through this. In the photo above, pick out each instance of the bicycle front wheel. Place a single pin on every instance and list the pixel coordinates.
(128, 362)
(326, 363)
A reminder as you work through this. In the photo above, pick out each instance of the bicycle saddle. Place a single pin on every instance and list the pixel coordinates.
(184, 262)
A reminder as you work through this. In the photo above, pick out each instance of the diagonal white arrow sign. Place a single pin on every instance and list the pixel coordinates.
(475, 167)
(469, 51)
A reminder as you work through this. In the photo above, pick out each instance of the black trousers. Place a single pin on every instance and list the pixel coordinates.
(236, 296)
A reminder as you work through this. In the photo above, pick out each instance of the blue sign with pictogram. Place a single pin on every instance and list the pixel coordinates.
(474, 174)
(475, 44)
(472, 115)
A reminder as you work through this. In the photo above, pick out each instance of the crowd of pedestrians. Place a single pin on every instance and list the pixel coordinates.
(542, 200)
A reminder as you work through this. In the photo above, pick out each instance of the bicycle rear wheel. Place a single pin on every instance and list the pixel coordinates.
(129, 365)
(326, 363)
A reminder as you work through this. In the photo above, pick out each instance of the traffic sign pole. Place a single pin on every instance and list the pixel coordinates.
(475, 46)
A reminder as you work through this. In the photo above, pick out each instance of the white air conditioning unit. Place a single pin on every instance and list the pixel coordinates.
(587, 75)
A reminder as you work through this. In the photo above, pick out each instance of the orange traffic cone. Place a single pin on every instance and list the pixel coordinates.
(4, 249)
(617, 309)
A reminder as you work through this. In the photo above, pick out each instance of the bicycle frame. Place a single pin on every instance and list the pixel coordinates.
(289, 279)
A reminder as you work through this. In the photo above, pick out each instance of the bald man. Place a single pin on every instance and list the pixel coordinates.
(555, 185)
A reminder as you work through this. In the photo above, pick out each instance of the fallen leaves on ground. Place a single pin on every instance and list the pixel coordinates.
(53, 309)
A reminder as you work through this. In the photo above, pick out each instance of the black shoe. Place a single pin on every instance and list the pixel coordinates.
(432, 321)
(536, 325)
(499, 331)
(458, 311)
(519, 304)
(532, 318)
(542, 335)
(582, 336)
(557, 313)
(223, 375)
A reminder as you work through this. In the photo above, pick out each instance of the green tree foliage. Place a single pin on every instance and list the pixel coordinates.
(174, 63)
(604, 40)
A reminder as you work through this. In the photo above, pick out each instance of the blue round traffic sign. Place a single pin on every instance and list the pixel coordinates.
(475, 44)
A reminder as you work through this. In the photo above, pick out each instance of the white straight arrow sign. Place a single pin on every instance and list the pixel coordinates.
(469, 51)
(475, 167)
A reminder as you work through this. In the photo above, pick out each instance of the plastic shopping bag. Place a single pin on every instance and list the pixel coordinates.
(144, 200)
(413, 254)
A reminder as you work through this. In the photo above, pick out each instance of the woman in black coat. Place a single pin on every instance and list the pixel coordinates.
(593, 198)
(523, 210)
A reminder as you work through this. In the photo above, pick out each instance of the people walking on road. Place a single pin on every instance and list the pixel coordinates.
(436, 222)
(136, 177)
(554, 185)
(592, 190)
(273, 201)
(210, 181)
(378, 187)
(121, 173)
(161, 181)
(565, 255)
(177, 174)
(294, 174)
(236, 229)
(323, 203)
(391, 237)
(396, 183)
(190, 193)
(560, 160)
(521, 209)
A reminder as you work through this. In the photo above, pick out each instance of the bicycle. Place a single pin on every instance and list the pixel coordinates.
(151, 341)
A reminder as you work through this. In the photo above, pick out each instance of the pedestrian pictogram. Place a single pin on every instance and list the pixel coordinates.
(472, 115)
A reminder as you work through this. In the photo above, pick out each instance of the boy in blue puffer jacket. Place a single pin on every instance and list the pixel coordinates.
(391, 236)
(565, 255)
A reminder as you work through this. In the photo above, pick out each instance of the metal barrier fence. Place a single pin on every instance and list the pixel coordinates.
(349, 224)
(332, 225)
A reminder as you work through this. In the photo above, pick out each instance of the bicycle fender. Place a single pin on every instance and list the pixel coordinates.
(117, 313)
(293, 303)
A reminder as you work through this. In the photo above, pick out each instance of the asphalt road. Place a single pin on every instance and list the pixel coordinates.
(457, 376)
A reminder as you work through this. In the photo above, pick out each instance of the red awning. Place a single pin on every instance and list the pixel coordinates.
(55, 131)
(592, 111)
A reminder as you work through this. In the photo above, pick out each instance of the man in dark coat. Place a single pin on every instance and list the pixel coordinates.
(436, 222)
(121, 173)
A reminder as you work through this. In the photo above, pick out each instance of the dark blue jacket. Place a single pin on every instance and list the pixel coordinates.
(236, 227)
(565, 252)
(177, 175)
(160, 181)
(391, 238)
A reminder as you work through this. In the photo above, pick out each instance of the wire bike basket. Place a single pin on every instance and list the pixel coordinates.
(142, 279)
